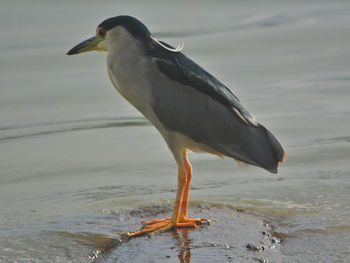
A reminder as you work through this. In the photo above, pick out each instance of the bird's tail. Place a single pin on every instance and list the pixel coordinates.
(271, 152)
(260, 148)
(276, 147)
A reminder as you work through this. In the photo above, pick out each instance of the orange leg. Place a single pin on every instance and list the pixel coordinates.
(186, 194)
(179, 216)
(173, 222)
(184, 206)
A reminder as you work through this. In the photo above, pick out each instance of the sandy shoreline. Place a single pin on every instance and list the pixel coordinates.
(232, 236)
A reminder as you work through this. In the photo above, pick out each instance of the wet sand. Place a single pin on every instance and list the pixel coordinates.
(232, 236)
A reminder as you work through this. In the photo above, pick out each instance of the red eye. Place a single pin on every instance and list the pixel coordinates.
(101, 32)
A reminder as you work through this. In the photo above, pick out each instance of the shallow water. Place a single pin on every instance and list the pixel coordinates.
(73, 153)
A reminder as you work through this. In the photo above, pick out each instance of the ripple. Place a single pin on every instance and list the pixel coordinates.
(15, 132)
(331, 140)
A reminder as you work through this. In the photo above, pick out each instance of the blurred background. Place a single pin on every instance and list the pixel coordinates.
(72, 150)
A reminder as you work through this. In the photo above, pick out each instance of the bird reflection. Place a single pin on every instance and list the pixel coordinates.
(184, 244)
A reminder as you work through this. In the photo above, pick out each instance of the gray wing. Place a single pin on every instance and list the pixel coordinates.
(194, 103)
(180, 68)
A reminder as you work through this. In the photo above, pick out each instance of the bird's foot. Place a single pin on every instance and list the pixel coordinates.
(157, 225)
(197, 221)
(151, 222)
(165, 224)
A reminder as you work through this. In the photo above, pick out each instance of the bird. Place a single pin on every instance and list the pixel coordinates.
(191, 109)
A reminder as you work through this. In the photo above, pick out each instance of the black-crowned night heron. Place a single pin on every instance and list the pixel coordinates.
(190, 108)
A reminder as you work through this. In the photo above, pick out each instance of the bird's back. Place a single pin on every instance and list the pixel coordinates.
(197, 105)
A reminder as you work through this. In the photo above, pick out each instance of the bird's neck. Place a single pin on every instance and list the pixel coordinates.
(128, 70)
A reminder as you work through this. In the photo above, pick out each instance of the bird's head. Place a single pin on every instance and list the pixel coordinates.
(106, 31)
(109, 31)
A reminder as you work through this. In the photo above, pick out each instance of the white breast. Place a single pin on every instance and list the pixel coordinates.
(128, 68)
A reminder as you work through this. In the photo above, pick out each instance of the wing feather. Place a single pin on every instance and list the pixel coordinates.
(180, 68)
(196, 104)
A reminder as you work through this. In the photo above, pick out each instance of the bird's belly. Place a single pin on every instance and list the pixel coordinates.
(186, 142)
(133, 86)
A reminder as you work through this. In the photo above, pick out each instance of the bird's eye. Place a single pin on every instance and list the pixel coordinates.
(102, 32)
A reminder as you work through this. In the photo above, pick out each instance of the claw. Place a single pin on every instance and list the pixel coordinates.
(154, 221)
(158, 225)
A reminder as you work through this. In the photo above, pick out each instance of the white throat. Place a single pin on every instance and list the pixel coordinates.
(128, 68)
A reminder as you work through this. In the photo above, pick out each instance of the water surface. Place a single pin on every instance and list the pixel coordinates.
(73, 153)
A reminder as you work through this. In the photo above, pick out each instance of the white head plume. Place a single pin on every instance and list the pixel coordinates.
(177, 49)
